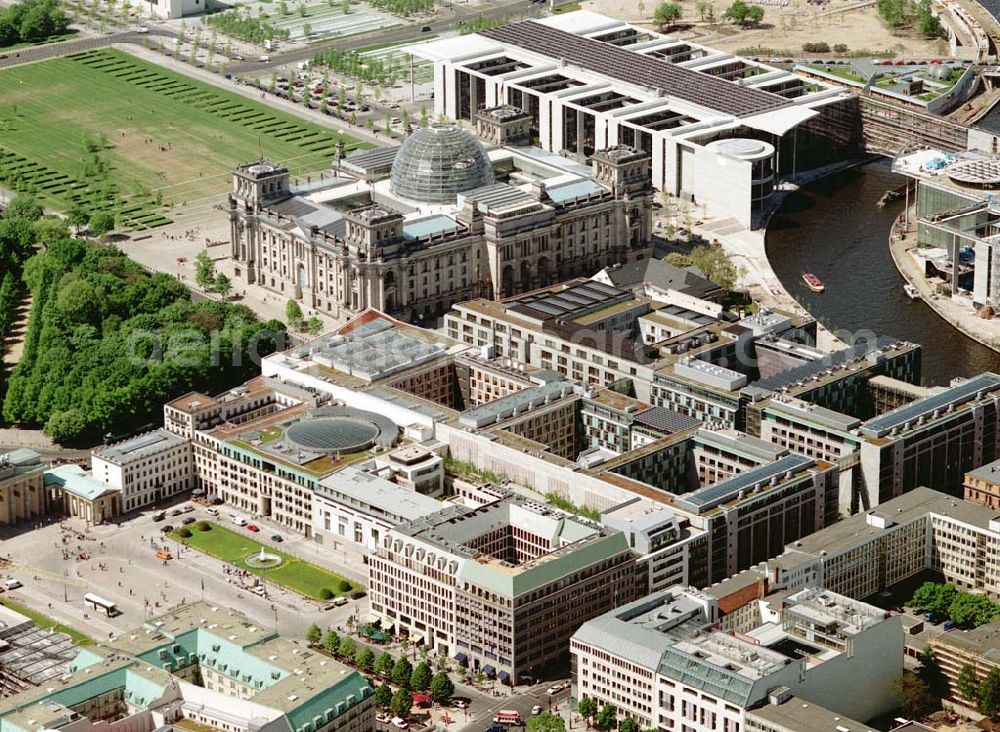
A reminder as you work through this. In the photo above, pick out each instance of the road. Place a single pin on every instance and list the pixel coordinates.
(398, 34)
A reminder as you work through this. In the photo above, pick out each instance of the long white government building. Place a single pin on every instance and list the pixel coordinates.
(720, 128)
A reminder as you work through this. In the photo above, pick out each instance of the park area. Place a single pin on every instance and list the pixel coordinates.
(243, 552)
(103, 130)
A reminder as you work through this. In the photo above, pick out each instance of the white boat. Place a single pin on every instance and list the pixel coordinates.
(911, 291)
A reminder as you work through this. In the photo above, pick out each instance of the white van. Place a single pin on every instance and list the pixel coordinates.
(12, 584)
(240, 520)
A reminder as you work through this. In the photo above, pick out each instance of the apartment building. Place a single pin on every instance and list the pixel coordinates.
(145, 469)
(22, 493)
(664, 660)
(501, 587)
(203, 666)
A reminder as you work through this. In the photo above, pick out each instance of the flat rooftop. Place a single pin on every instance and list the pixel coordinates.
(798, 715)
(139, 448)
(640, 69)
(800, 409)
(971, 389)
(744, 483)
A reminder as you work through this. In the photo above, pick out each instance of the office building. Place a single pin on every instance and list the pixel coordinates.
(144, 469)
(414, 229)
(720, 129)
(203, 667)
(502, 587)
(920, 530)
(664, 661)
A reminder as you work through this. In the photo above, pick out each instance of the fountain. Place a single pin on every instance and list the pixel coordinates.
(263, 560)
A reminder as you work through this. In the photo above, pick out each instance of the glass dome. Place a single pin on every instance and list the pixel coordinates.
(437, 163)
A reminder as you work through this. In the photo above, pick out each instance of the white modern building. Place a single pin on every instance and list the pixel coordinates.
(145, 469)
(166, 9)
(664, 661)
(720, 129)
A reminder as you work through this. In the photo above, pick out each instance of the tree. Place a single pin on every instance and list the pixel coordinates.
(402, 702)
(293, 314)
(51, 228)
(331, 641)
(678, 259)
(546, 722)
(930, 24)
(306, 30)
(101, 222)
(716, 264)
(204, 270)
(441, 687)
(628, 725)
(971, 611)
(913, 695)
(77, 217)
(383, 695)
(365, 658)
(421, 677)
(383, 664)
(346, 647)
(401, 673)
(934, 597)
(744, 14)
(24, 206)
(223, 285)
(314, 326)
(702, 9)
(606, 718)
(314, 634)
(587, 708)
(755, 16)
(967, 684)
(345, 6)
(66, 426)
(666, 14)
(989, 694)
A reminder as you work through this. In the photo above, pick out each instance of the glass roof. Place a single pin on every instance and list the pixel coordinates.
(437, 163)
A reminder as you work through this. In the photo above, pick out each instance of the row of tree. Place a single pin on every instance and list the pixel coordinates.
(107, 343)
(901, 13)
(31, 21)
(983, 693)
(246, 27)
(712, 261)
(366, 68)
(403, 7)
(945, 601)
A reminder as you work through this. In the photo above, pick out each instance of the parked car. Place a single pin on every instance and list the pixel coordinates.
(400, 723)
(12, 584)
(357, 595)
(159, 515)
(188, 520)
(383, 717)
(277, 537)
(142, 29)
(425, 29)
(176, 512)
(537, 709)
(264, 58)
(340, 601)
(460, 703)
(213, 511)
(253, 527)
(166, 529)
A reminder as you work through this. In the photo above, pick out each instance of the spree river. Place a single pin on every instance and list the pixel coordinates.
(834, 229)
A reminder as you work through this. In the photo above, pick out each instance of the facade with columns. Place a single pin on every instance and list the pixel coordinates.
(524, 224)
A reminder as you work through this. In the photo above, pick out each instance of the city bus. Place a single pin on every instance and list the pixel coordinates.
(96, 602)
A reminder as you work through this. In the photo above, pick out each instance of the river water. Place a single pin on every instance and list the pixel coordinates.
(834, 229)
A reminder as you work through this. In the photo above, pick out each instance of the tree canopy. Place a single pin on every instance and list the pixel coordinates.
(31, 21)
(442, 687)
(107, 343)
(666, 14)
(546, 722)
(943, 600)
(913, 695)
(402, 702)
(420, 678)
(744, 13)
(402, 671)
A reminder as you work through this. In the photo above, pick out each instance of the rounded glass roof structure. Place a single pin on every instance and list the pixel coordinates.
(332, 435)
(437, 163)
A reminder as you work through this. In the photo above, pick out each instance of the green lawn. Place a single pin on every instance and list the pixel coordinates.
(293, 573)
(44, 621)
(166, 135)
